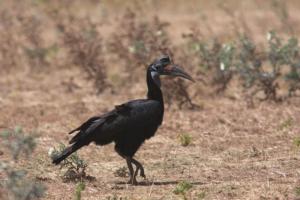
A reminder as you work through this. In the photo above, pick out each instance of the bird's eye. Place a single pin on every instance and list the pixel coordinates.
(157, 67)
(165, 60)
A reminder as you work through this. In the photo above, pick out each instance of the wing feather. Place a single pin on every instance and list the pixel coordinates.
(102, 129)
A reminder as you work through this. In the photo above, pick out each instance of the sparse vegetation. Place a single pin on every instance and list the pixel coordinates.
(259, 70)
(121, 172)
(182, 188)
(79, 188)
(215, 60)
(74, 165)
(201, 195)
(185, 139)
(62, 61)
(17, 142)
(296, 142)
(297, 191)
(18, 185)
(286, 124)
(85, 47)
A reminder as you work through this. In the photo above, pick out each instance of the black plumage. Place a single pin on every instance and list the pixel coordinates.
(128, 125)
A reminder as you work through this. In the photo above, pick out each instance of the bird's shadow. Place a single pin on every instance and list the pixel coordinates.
(158, 183)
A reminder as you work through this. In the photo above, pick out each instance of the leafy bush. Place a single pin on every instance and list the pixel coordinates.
(74, 165)
(278, 57)
(215, 60)
(17, 185)
(263, 70)
(252, 72)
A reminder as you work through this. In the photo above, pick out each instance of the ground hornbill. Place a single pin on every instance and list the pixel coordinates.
(129, 124)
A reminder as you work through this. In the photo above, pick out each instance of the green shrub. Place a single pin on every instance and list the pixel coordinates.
(17, 185)
(296, 142)
(259, 70)
(79, 188)
(185, 139)
(74, 165)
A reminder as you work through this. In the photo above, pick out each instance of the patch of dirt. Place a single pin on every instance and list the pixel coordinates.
(235, 152)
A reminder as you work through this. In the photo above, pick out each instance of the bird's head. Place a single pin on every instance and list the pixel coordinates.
(164, 66)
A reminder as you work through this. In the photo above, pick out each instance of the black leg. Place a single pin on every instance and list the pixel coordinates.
(132, 179)
(139, 166)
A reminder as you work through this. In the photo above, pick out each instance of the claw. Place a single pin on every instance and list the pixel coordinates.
(142, 174)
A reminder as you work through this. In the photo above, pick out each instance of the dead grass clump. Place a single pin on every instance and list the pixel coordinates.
(22, 43)
(34, 49)
(11, 48)
(121, 172)
(139, 42)
(176, 92)
(84, 44)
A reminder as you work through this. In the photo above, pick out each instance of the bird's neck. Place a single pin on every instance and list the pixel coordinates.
(154, 91)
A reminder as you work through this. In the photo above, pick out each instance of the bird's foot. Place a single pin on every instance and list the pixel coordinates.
(132, 181)
(142, 174)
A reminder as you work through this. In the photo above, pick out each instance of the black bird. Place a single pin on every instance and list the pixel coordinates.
(129, 124)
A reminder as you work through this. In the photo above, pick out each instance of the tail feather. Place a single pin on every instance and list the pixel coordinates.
(83, 137)
(68, 151)
(76, 138)
(77, 129)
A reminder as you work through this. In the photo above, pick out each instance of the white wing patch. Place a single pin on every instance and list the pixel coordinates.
(155, 77)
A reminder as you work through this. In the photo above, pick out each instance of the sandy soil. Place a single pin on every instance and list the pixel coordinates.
(236, 152)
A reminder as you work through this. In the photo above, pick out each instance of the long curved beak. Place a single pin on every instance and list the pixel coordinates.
(175, 70)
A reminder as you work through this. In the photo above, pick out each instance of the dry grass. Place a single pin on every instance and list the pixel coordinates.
(236, 152)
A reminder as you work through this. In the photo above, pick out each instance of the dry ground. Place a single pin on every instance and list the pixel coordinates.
(236, 152)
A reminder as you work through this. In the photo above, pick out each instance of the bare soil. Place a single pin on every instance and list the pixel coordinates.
(236, 152)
